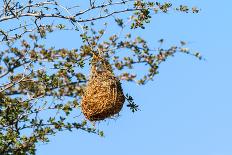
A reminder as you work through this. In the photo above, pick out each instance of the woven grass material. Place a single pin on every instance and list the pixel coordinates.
(103, 97)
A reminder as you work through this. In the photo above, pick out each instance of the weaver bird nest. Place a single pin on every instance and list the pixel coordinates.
(103, 95)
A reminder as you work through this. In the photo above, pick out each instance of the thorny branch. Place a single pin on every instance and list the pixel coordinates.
(19, 12)
(46, 9)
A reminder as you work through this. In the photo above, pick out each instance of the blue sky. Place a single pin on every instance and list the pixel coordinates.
(186, 110)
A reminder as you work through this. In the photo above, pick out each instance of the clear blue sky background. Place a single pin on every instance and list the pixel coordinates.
(186, 110)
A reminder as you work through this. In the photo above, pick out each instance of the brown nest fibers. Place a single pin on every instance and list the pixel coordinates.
(103, 97)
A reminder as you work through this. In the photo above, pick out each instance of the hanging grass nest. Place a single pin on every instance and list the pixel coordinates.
(103, 97)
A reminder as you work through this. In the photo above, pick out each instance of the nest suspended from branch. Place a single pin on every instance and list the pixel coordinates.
(103, 96)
